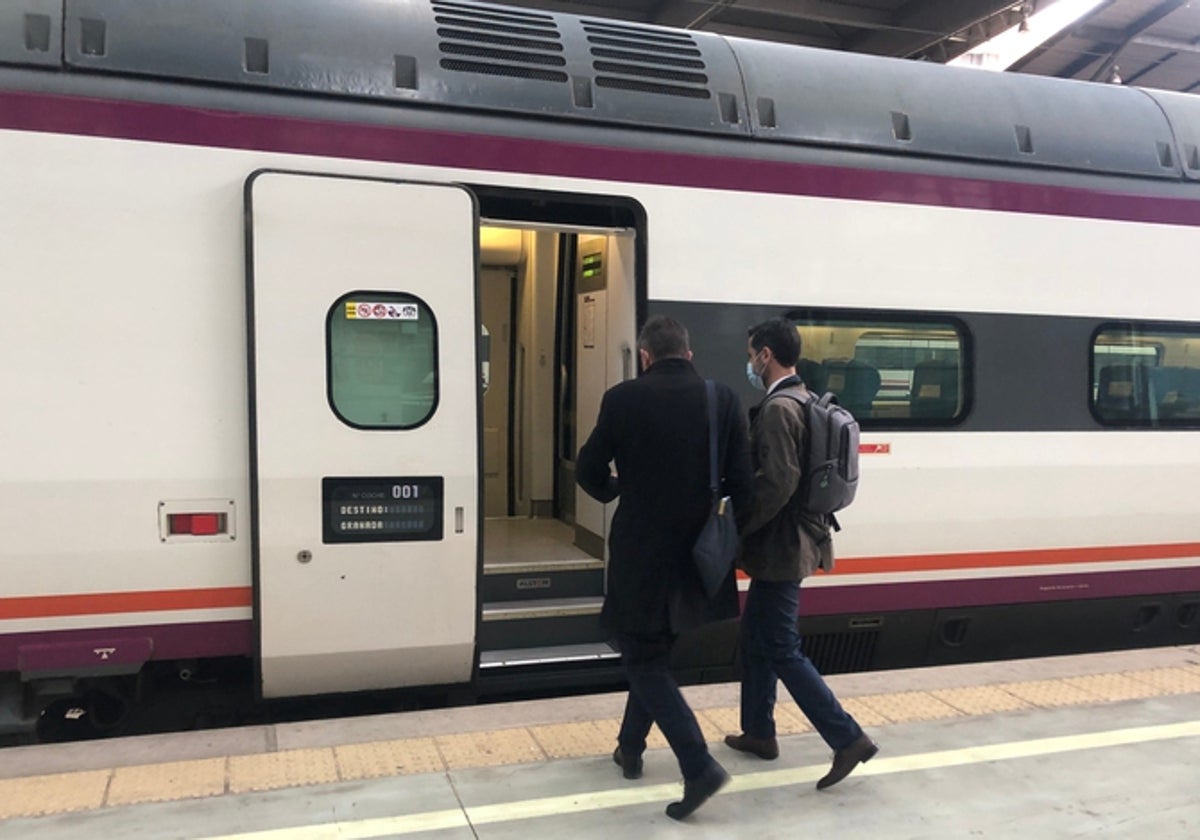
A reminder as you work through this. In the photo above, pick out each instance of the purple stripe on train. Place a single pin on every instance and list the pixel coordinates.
(198, 127)
(121, 649)
(916, 595)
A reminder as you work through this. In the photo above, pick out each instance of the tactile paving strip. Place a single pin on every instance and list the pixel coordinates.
(1050, 693)
(167, 782)
(727, 719)
(54, 794)
(789, 720)
(488, 749)
(388, 758)
(654, 741)
(980, 700)
(292, 768)
(708, 728)
(862, 713)
(909, 706)
(1113, 687)
(576, 740)
(1170, 680)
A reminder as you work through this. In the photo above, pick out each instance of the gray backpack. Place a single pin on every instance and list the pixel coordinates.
(830, 464)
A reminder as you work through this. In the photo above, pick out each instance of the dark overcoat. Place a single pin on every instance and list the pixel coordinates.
(655, 429)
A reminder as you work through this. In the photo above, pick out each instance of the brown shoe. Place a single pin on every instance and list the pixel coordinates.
(765, 748)
(844, 761)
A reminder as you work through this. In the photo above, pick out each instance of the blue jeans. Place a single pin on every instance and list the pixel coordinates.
(771, 651)
(654, 697)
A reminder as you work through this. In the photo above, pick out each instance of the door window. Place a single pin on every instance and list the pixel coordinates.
(382, 360)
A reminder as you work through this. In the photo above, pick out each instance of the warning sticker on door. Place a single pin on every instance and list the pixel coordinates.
(362, 310)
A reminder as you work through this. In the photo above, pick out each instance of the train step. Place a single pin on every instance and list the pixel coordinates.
(552, 655)
(554, 668)
(542, 580)
(540, 622)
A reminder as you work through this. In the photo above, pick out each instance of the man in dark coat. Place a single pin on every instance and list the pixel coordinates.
(781, 545)
(655, 429)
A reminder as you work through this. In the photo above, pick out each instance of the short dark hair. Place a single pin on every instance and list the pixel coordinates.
(781, 336)
(663, 338)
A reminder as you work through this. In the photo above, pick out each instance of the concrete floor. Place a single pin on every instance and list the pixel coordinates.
(1062, 767)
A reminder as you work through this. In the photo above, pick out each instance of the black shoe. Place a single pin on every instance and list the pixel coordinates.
(765, 748)
(631, 768)
(844, 761)
(697, 791)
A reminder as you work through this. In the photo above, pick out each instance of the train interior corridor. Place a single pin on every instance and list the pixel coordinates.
(557, 312)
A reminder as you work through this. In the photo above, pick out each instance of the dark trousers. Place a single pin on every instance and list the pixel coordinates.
(770, 652)
(654, 697)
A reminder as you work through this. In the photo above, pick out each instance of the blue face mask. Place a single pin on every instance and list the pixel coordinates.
(755, 378)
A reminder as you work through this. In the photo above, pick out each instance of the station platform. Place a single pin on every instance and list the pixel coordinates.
(1104, 744)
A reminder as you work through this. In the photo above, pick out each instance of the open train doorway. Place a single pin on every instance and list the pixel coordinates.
(560, 301)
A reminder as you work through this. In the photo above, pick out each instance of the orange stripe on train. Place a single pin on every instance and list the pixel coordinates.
(46, 606)
(1022, 557)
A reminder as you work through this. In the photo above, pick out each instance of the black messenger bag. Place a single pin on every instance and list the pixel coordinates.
(716, 547)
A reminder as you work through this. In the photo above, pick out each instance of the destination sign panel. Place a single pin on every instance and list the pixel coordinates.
(382, 509)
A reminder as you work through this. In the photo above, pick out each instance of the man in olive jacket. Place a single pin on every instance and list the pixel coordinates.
(781, 545)
(655, 428)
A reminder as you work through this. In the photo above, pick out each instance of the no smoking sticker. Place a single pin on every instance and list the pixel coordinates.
(378, 311)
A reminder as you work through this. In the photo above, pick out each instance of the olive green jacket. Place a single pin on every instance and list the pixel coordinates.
(779, 542)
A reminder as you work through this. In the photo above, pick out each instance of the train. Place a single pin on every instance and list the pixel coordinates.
(311, 306)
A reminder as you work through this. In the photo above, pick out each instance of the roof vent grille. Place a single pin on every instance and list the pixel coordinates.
(647, 60)
(498, 42)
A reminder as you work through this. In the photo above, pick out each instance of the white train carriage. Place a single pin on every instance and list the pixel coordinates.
(310, 306)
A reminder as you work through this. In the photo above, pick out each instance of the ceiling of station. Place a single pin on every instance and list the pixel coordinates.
(1149, 43)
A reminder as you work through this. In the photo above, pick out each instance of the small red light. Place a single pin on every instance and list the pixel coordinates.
(195, 524)
(204, 524)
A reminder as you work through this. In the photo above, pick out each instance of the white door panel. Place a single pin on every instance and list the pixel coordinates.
(366, 527)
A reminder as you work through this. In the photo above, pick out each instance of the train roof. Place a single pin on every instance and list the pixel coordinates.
(470, 55)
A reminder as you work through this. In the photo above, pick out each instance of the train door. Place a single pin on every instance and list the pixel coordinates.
(364, 411)
(574, 325)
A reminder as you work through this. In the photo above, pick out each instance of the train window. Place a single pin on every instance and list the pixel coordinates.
(1146, 375)
(382, 369)
(888, 371)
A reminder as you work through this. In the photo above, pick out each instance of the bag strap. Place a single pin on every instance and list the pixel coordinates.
(791, 394)
(714, 485)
